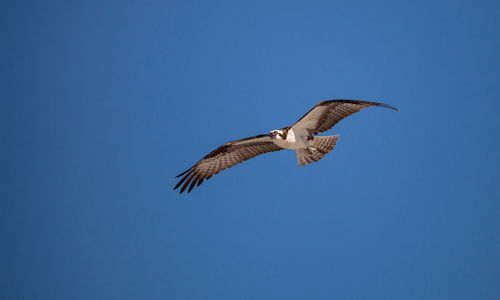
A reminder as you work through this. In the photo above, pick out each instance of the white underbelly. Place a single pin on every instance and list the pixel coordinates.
(288, 144)
(293, 140)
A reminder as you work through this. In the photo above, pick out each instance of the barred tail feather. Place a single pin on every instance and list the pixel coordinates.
(322, 145)
(325, 143)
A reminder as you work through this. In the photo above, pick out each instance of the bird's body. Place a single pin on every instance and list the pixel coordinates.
(299, 137)
(291, 139)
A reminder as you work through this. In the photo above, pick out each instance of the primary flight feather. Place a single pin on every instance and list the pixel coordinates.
(299, 136)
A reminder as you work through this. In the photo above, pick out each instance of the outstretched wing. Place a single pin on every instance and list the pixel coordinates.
(226, 156)
(326, 114)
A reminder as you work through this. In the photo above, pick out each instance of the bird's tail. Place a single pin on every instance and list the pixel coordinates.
(321, 145)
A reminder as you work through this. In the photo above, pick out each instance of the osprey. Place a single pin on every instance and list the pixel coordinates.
(299, 136)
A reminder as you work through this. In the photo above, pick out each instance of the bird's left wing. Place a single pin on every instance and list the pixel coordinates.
(327, 114)
(226, 156)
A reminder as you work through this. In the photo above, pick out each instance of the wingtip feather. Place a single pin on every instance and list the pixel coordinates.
(181, 181)
(193, 183)
(183, 173)
(191, 175)
(388, 106)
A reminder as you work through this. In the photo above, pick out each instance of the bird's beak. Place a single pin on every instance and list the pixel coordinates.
(271, 135)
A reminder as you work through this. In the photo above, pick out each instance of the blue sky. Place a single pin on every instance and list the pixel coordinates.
(105, 102)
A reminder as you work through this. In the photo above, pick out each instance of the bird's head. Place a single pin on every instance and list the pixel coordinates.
(274, 133)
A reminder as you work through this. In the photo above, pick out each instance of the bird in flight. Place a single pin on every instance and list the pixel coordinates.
(299, 136)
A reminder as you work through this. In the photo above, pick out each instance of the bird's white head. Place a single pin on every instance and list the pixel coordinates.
(275, 133)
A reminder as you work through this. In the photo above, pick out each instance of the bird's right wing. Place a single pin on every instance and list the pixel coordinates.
(226, 156)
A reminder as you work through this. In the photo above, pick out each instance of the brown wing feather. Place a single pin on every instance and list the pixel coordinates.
(327, 114)
(226, 156)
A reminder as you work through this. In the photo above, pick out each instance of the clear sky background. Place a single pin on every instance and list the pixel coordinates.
(103, 103)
